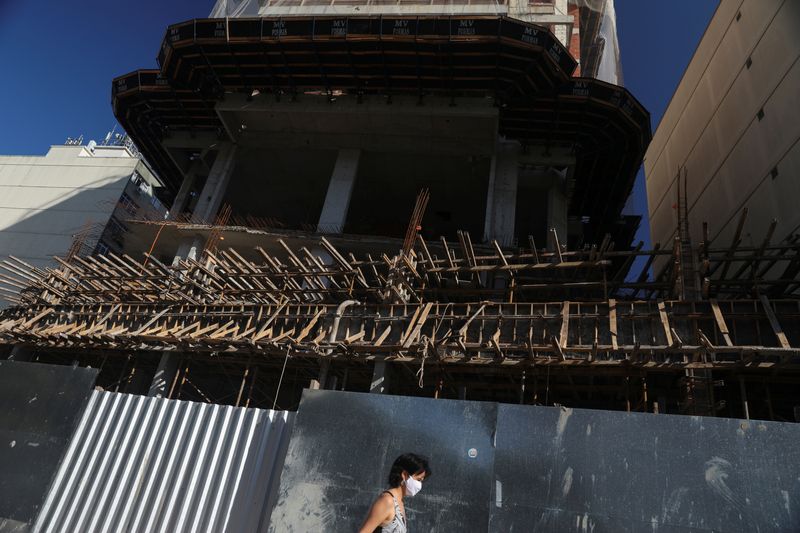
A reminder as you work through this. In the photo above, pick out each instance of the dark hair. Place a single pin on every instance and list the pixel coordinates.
(410, 463)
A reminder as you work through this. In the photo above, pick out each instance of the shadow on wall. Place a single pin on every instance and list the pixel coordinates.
(48, 228)
(36, 229)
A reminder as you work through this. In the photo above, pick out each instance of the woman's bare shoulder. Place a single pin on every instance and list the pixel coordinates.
(384, 506)
(385, 498)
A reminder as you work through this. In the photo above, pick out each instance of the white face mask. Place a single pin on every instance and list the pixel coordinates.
(412, 486)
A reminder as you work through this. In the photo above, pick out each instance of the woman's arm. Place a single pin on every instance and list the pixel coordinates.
(378, 514)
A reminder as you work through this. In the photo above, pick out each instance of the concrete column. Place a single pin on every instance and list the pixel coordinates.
(501, 198)
(206, 210)
(210, 199)
(324, 368)
(380, 377)
(165, 373)
(340, 189)
(557, 204)
(216, 184)
(179, 203)
(189, 248)
(21, 353)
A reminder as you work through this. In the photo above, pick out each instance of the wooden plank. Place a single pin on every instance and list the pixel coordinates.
(720, 320)
(466, 248)
(152, 320)
(38, 317)
(353, 338)
(662, 313)
(556, 245)
(383, 336)
(307, 329)
(428, 257)
(411, 324)
(533, 249)
(773, 321)
(557, 348)
(562, 340)
(462, 332)
(612, 322)
(263, 331)
(423, 316)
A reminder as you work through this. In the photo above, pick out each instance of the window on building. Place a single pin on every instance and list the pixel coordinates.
(127, 203)
(101, 248)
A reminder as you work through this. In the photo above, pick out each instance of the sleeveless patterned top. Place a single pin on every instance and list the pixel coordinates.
(398, 523)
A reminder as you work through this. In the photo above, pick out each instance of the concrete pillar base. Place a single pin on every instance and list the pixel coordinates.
(21, 353)
(216, 184)
(165, 374)
(501, 198)
(340, 189)
(381, 376)
(191, 248)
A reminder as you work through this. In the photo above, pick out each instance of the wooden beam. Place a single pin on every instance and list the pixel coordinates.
(720, 320)
(612, 322)
(533, 249)
(556, 245)
(564, 336)
(773, 321)
(662, 312)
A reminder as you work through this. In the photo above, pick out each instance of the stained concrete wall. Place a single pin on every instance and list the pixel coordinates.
(505, 468)
(734, 124)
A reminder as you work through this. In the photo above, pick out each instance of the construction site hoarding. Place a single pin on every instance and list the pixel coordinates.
(500, 468)
(138, 463)
(40, 406)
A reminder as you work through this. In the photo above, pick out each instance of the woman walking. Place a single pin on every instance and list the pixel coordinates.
(388, 513)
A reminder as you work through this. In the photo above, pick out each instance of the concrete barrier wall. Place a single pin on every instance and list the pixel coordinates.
(504, 468)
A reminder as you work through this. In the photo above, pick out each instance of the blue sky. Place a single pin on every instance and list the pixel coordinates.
(58, 60)
(657, 39)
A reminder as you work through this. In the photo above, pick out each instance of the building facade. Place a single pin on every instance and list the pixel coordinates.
(73, 200)
(416, 204)
(337, 98)
(422, 202)
(731, 132)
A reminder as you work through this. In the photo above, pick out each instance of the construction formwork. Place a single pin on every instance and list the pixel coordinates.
(436, 319)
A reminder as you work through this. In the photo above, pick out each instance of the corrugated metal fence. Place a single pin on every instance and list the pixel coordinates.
(138, 463)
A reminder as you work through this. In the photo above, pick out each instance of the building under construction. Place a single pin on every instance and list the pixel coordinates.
(409, 199)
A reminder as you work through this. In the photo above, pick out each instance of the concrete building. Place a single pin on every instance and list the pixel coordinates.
(587, 27)
(74, 196)
(375, 129)
(733, 127)
(336, 180)
(422, 202)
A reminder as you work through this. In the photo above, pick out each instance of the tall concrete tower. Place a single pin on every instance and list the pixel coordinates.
(506, 112)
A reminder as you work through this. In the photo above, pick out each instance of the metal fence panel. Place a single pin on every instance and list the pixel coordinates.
(138, 463)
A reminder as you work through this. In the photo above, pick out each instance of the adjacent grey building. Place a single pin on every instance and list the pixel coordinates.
(733, 124)
(75, 196)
